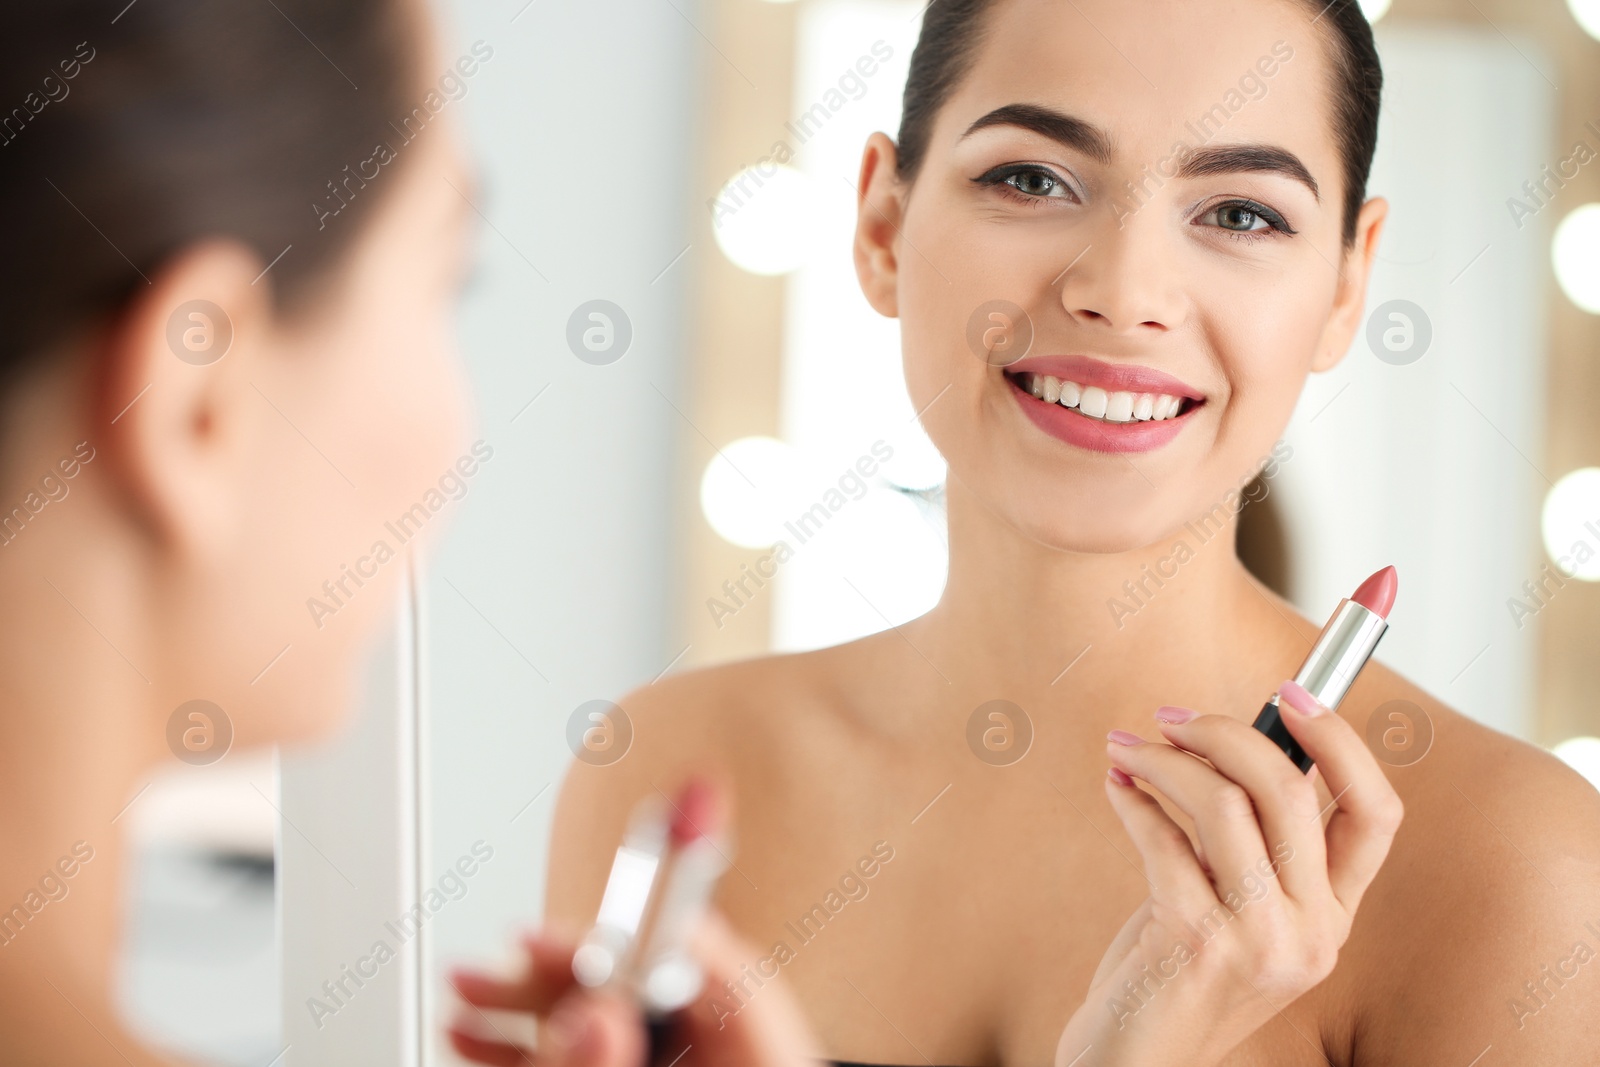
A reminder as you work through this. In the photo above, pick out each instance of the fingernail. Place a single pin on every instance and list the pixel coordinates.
(1123, 737)
(1173, 716)
(568, 1025)
(1118, 777)
(1297, 698)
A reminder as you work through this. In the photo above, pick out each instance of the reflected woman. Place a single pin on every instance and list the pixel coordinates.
(227, 345)
(1112, 898)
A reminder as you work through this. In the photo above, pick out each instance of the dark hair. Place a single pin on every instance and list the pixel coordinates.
(126, 136)
(953, 31)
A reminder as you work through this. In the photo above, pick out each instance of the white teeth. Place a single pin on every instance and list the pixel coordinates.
(1098, 403)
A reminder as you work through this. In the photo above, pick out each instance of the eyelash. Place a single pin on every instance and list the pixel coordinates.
(1275, 222)
(1000, 178)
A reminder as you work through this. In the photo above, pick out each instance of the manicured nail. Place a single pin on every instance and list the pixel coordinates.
(1118, 777)
(1297, 698)
(1173, 716)
(568, 1026)
(1123, 737)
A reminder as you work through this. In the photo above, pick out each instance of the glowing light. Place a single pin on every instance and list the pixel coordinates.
(1582, 754)
(916, 464)
(1571, 524)
(748, 490)
(1374, 9)
(766, 218)
(1576, 253)
(1587, 14)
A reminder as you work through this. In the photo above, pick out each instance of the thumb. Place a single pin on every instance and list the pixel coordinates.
(594, 1030)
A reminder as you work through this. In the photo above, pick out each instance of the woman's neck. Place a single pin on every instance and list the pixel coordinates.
(78, 727)
(1176, 620)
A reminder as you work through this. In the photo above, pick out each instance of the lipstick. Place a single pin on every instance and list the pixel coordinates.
(661, 882)
(1066, 421)
(1342, 649)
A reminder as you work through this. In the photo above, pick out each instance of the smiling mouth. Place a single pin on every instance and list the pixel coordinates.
(1100, 405)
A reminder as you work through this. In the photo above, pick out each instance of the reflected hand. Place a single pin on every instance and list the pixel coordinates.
(590, 1028)
(1251, 917)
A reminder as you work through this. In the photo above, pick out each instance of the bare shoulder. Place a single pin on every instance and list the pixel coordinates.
(717, 720)
(1479, 928)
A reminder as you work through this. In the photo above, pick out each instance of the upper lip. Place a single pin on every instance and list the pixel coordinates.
(1112, 377)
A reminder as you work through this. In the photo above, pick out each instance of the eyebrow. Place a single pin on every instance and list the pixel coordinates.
(1064, 129)
(1094, 142)
(1258, 158)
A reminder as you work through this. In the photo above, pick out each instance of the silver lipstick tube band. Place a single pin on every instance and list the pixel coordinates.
(1342, 649)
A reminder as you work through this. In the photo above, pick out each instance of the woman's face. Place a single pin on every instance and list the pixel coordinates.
(358, 454)
(1138, 179)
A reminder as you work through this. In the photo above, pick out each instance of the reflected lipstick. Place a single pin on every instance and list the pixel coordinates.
(1342, 649)
(660, 887)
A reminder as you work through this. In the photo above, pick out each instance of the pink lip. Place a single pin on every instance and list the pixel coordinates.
(1112, 377)
(1097, 435)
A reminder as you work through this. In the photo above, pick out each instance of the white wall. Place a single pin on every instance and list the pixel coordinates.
(1430, 465)
(558, 563)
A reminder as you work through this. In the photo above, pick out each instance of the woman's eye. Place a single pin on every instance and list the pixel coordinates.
(1246, 217)
(1239, 217)
(1036, 183)
(1028, 183)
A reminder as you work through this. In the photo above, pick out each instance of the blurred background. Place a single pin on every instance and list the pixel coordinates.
(672, 360)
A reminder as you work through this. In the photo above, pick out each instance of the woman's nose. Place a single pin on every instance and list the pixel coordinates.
(1126, 280)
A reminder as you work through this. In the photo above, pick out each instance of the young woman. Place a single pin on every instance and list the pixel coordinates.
(226, 339)
(1173, 193)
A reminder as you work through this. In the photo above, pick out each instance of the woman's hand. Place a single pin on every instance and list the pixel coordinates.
(588, 1028)
(1252, 916)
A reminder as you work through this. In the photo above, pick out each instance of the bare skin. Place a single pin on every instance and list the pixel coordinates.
(180, 561)
(978, 940)
(980, 937)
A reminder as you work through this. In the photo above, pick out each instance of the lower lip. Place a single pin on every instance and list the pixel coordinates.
(1097, 435)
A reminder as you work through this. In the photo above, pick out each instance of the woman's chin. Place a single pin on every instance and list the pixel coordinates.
(307, 707)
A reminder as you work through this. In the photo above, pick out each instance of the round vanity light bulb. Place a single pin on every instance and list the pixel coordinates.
(1575, 252)
(765, 218)
(1570, 523)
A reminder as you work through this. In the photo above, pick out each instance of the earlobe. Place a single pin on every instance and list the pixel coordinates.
(171, 398)
(880, 206)
(1350, 296)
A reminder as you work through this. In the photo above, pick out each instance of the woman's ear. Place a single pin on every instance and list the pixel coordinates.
(880, 208)
(175, 398)
(1350, 298)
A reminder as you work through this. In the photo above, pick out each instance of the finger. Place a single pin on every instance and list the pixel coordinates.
(476, 1050)
(585, 1030)
(1124, 942)
(595, 1030)
(1170, 865)
(1368, 809)
(1223, 815)
(546, 977)
(762, 1026)
(1286, 803)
